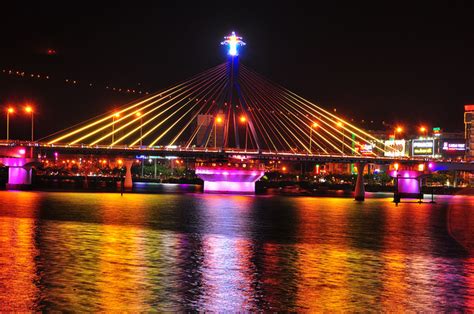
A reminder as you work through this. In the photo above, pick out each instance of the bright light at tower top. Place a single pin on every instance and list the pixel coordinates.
(233, 41)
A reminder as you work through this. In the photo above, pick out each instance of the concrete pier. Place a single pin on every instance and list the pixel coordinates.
(359, 194)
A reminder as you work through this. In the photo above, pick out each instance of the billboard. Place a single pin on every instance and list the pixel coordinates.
(365, 149)
(453, 147)
(394, 148)
(422, 147)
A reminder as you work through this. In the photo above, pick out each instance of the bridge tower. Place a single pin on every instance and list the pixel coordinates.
(235, 179)
(234, 95)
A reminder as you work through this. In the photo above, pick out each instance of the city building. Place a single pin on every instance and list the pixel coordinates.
(469, 130)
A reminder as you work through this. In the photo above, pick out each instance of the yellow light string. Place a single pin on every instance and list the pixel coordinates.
(196, 85)
(186, 88)
(109, 116)
(316, 108)
(196, 89)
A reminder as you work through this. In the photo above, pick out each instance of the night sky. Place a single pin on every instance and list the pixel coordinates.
(396, 61)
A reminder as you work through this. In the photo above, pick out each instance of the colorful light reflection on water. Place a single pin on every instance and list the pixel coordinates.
(93, 252)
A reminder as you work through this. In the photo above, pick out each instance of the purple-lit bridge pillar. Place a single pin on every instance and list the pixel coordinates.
(359, 193)
(19, 172)
(408, 184)
(228, 180)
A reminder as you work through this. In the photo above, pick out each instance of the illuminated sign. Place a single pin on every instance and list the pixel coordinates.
(394, 148)
(365, 149)
(453, 148)
(422, 147)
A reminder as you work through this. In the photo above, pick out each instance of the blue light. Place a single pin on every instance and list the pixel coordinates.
(233, 41)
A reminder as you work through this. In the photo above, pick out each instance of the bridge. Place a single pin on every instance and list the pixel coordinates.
(227, 112)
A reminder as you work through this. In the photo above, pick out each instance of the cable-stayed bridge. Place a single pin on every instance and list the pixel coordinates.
(226, 112)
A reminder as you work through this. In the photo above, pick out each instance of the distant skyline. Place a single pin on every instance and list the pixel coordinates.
(403, 62)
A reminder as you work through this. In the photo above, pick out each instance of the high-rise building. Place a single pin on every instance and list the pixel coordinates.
(469, 130)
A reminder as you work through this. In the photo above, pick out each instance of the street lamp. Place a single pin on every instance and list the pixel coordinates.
(29, 109)
(218, 120)
(398, 130)
(10, 110)
(314, 125)
(114, 117)
(139, 114)
(243, 119)
(423, 130)
(340, 125)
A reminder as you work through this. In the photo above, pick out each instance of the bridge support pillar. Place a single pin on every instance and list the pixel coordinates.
(128, 183)
(359, 194)
(229, 180)
(19, 172)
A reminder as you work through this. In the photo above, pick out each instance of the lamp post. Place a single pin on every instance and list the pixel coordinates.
(243, 119)
(10, 110)
(423, 130)
(116, 115)
(29, 109)
(398, 130)
(139, 114)
(314, 125)
(217, 120)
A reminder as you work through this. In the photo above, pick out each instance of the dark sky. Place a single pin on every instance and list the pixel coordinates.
(400, 62)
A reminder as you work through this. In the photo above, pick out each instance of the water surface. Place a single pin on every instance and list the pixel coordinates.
(99, 251)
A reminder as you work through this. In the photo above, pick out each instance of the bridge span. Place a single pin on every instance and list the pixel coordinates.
(20, 157)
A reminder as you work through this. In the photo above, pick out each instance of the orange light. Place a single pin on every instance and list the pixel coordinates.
(396, 166)
(117, 115)
(399, 129)
(315, 125)
(138, 114)
(283, 168)
(28, 109)
(421, 167)
(243, 119)
(422, 129)
(120, 161)
(339, 123)
(10, 110)
(219, 120)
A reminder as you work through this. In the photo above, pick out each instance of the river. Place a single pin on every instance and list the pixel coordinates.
(64, 251)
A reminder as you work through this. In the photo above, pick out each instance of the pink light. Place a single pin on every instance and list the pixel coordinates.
(228, 186)
(17, 175)
(240, 180)
(22, 151)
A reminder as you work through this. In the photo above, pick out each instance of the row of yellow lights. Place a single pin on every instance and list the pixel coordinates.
(400, 129)
(70, 81)
(27, 109)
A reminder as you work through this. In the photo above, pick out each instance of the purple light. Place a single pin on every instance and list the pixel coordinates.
(17, 175)
(229, 186)
(229, 180)
(407, 180)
